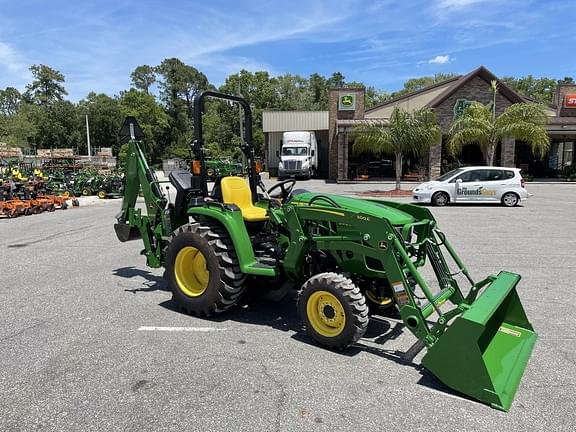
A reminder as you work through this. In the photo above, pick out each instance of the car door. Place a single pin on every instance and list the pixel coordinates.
(495, 183)
(469, 185)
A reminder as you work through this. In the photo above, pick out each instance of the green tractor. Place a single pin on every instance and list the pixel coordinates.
(222, 168)
(341, 254)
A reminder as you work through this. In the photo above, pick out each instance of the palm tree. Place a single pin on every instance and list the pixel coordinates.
(480, 125)
(406, 133)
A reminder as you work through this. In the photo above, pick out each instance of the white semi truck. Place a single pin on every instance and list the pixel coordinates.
(299, 155)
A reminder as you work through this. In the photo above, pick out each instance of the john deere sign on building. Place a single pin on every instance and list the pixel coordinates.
(347, 102)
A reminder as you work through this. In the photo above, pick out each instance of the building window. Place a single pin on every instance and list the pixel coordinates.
(561, 155)
(568, 154)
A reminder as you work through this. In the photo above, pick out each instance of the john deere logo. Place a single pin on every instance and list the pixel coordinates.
(460, 106)
(347, 102)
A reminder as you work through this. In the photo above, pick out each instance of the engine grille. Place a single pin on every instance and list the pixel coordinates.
(293, 164)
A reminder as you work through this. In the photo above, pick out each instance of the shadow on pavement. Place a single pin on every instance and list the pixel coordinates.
(282, 315)
(151, 281)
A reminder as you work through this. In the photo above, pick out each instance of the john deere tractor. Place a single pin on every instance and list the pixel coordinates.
(341, 254)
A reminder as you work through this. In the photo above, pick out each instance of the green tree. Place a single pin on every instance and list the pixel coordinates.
(180, 81)
(105, 120)
(406, 133)
(143, 77)
(47, 86)
(415, 84)
(540, 89)
(261, 92)
(317, 92)
(10, 100)
(337, 80)
(151, 117)
(58, 125)
(291, 92)
(480, 125)
(19, 129)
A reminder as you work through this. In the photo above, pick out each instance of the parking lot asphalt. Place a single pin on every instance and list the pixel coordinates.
(91, 341)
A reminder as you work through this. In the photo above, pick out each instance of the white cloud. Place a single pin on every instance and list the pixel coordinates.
(440, 59)
(13, 70)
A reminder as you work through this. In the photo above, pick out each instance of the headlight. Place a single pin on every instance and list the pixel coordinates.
(305, 164)
(280, 165)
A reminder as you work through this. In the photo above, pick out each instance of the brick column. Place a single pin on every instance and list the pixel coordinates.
(435, 160)
(338, 139)
(508, 152)
(342, 142)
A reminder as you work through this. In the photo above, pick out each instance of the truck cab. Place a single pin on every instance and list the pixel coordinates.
(299, 155)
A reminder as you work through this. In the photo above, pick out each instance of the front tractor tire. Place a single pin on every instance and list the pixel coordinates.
(333, 310)
(202, 270)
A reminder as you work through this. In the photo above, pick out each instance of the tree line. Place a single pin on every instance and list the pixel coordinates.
(161, 98)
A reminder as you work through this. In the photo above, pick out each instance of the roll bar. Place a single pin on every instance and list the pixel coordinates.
(247, 147)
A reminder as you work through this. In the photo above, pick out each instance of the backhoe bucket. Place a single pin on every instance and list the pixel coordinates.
(125, 232)
(485, 350)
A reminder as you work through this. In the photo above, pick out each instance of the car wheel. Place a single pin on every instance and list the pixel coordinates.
(440, 199)
(510, 199)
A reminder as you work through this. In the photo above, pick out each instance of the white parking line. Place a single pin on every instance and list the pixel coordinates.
(180, 329)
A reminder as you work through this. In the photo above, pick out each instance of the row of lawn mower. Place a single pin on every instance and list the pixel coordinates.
(62, 180)
(86, 182)
(30, 197)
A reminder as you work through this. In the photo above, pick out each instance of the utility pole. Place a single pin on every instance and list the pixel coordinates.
(88, 138)
(241, 117)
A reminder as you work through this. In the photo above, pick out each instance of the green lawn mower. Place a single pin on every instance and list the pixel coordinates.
(341, 254)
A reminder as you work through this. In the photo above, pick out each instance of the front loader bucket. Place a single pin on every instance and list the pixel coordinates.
(485, 350)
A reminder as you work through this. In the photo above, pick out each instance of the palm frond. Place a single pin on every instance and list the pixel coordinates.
(525, 122)
(373, 139)
(474, 126)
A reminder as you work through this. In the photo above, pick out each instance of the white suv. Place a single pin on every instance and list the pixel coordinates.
(474, 184)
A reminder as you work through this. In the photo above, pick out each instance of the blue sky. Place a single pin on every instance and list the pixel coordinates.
(96, 44)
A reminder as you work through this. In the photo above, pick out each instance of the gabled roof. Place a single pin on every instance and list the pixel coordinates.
(426, 89)
(451, 86)
(487, 76)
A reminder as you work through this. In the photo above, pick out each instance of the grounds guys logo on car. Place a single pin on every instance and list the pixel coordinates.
(477, 191)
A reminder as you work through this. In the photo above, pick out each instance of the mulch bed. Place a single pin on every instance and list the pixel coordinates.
(388, 193)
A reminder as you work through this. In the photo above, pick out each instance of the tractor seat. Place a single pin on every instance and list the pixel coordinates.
(182, 182)
(236, 191)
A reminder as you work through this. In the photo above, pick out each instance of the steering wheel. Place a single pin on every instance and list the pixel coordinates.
(285, 187)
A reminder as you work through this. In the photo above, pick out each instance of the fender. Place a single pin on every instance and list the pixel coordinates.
(232, 221)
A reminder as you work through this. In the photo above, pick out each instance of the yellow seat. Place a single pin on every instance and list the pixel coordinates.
(236, 191)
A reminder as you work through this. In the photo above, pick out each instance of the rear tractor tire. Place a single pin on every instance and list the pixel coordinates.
(333, 310)
(202, 269)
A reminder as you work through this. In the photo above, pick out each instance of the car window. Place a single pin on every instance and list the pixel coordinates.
(449, 174)
(494, 175)
(472, 176)
(508, 174)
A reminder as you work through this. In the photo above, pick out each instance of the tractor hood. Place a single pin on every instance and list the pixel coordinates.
(366, 206)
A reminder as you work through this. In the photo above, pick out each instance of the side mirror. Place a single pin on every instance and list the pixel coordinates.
(312, 152)
(459, 180)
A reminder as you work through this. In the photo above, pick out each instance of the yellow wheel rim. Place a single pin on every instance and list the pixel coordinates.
(191, 272)
(326, 314)
(101, 194)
